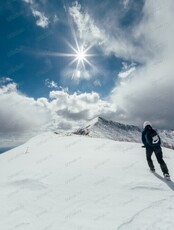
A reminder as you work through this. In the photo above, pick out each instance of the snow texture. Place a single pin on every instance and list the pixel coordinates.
(81, 183)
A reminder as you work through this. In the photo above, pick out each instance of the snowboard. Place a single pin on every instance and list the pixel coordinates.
(167, 177)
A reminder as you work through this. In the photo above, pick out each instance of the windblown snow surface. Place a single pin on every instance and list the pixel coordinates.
(81, 183)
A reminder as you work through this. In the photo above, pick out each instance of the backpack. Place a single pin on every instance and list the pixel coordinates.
(152, 138)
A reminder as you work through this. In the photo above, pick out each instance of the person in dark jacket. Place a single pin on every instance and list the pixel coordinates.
(153, 147)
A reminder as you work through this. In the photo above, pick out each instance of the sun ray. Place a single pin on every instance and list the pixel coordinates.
(69, 44)
(56, 54)
(73, 61)
(89, 63)
(83, 64)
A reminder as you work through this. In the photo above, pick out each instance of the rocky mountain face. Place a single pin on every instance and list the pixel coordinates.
(100, 127)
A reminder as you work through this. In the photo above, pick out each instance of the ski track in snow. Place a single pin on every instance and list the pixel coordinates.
(140, 212)
(28, 184)
(147, 187)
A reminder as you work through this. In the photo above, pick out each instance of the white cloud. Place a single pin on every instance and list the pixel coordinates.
(11, 87)
(148, 94)
(127, 70)
(19, 115)
(70, 111)
(78, 107)
(86, 25)
(51, 84)
(125, 74)
(42, 20)
(4, 80)
(22, 117)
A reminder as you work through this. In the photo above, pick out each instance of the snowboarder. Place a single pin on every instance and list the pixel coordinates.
(152, 143)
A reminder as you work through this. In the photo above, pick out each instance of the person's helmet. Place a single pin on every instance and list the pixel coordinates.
(146, 123)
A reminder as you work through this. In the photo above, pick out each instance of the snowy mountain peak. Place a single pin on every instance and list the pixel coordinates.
(100, 127)
(101, 121)
(93, 122)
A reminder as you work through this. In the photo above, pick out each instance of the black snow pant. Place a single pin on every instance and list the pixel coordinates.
(159, 156)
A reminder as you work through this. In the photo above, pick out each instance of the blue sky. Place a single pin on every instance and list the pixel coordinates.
(23, 41)
(66, 62)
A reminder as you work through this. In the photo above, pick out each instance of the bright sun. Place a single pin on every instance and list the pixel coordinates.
(80, 56)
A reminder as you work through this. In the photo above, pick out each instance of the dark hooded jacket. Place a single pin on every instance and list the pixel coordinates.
(147, 129)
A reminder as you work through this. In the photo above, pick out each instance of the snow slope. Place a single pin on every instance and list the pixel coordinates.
(100, 127)
(80, 183)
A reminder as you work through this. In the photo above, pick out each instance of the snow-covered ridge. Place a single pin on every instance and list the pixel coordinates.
(100, 127)
(81, 183)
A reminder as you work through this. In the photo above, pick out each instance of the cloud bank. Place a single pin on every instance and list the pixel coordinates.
(21, 117)
(144, 92)
(148, 94)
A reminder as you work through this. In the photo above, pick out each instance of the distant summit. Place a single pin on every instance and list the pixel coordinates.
(100, 127)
